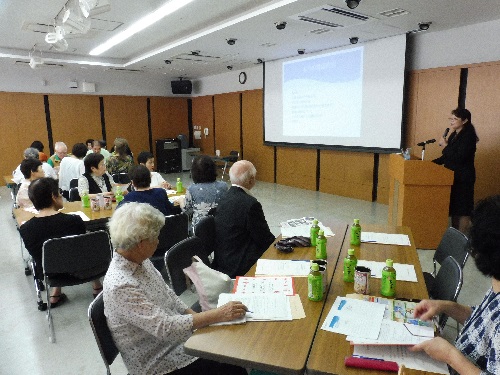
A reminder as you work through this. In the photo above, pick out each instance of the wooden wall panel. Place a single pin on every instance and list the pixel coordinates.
(127, 117)
(296, 167)
(22, 121)
(203, 117)
(253, 136)
(483, 100)
(227, 123)
(349, 174)
(75, 118)
(437, 96)
(383, 179)
(169, 118)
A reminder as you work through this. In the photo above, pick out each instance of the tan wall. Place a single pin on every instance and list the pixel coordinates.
(227, 123)
(74, 118)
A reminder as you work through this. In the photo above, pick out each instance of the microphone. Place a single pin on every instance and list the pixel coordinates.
(446, 132)
(426, 142)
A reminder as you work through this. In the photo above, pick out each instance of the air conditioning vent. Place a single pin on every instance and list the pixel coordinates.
(126, 70)
(346, 13)
(332, 17)
(319, 22)
(394, 13)
(42, 65)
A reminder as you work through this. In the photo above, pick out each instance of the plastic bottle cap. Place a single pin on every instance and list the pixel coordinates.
(350, 251)
(321, 232)
(315, 267)
(356, 221)
(389, 262)
(315, 221)
(178, 178)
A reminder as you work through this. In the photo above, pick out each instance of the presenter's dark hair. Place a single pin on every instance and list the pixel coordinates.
(203, 169)
(79, 150)
(41, 192)
(28, 166)
(92, 160)
(464, 114)
(485, 236)
(140, 176)
(144, 156)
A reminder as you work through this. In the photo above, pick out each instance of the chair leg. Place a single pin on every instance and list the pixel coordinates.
(52, 335)
(39, 287)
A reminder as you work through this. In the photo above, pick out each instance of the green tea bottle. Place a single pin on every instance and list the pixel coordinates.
(388, 283)
(118, 194)
(321, 245)
(85, 199)
(315, 284)
(350, 263)
(179, 185)
(356, 233)
(314, 232)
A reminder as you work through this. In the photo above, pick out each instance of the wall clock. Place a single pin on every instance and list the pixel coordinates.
(243, 77)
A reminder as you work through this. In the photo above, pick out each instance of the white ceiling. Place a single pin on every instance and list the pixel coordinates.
(23, 25)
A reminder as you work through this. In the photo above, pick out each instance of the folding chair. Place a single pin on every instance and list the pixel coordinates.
(101, 331)
(74, 260)
(121, 178)
(447, 285)
(232, 158)
(205, 231)
(179, 257)
(453, 243)
(175, 230)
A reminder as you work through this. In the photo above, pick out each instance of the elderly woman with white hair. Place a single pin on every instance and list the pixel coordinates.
(148, 322)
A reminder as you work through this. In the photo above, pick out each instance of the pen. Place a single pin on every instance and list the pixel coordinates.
(362, 357)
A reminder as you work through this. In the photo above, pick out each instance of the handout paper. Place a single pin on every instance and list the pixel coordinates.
(273, 267)
(301, 227)
(402, 356)
(277, 284)
(396, 333)
(261, 306)
(404, 272)
(386, 238)
(354, 317)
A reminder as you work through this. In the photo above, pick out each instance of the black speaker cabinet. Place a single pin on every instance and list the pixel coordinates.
(168, 155)
(182, 87)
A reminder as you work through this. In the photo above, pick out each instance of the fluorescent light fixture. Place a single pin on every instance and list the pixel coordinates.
(209, 30)
(140, 25)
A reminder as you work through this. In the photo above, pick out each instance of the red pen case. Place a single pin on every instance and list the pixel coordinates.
(371, 364)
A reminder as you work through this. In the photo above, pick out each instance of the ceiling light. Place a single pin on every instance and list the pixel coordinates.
(351, 4)
(61, 45)
(211, 29)
(140, 25)
(86, 6)
(353, 40)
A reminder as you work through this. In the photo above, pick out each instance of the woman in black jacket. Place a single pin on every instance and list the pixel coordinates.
(458, 155)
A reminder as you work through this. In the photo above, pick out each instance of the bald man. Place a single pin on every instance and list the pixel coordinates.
(242, 232)
(61, 150)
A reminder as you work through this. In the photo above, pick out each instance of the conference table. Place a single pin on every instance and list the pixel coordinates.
(329, 349)
(283, 346)
(292, 347)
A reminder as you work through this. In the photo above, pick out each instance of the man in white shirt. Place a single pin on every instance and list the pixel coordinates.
(72, 167)
(32, 153)
(147, 159)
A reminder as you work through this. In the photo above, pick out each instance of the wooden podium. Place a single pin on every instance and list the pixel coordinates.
(419, 198)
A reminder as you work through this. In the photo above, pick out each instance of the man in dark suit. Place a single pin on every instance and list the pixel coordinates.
(242, 233)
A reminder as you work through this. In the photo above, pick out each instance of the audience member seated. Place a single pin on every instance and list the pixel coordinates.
(147, 159)
(477, 347)
(90, 143)
(119, 161)
(72, 167)
(143, 193)
(61, 150)
(32, 170)
(242, 233)
(32, 153)
(206, 192)
(148, 322)
(95, 180)
(98, 149)
(41, 155)
(49, 223)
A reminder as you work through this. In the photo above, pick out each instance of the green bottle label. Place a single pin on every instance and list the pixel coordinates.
(355, 235)
(85, 201)
(315, 286)
(349, 268)
(314, 234)
(321, 248)
(388, 283)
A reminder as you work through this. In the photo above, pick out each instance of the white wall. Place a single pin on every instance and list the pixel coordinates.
(228, 82)
(15, 78)
(464, 45)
